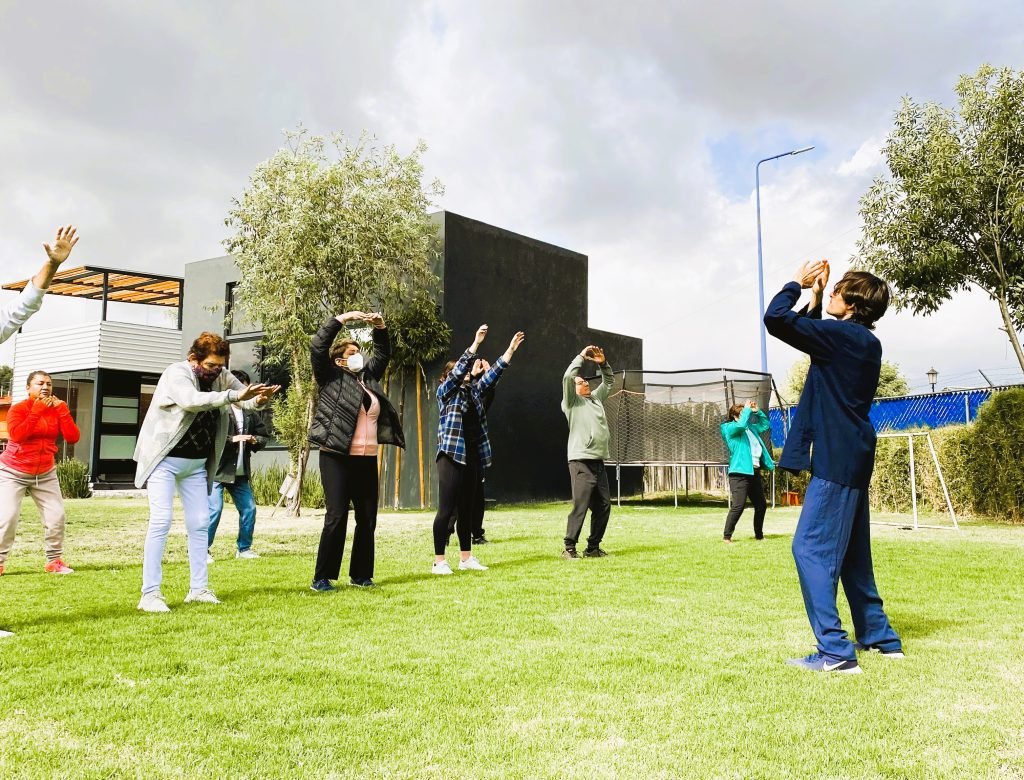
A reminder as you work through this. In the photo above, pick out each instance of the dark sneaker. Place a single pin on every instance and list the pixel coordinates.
(570, 553)
(595, 552)
(873, 649)
(321, 586)
(480, 540)
(367, 583)
(817, 662)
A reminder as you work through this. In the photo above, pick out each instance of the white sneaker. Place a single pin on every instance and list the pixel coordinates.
(209, 559)
(247, 554)
(5, 634)
(204, 596)
(153, 602)
(441, 568)
(471, 564)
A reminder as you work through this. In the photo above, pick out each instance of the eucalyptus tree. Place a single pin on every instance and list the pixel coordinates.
(326, 226)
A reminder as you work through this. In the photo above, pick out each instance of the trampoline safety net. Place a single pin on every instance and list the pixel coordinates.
(673, 417)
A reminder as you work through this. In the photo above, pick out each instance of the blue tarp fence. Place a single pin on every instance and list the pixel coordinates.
(931, 410)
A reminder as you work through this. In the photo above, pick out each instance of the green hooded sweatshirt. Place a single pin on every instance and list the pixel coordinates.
(588, 426)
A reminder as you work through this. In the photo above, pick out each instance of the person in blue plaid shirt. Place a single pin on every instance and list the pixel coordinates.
(463, 446)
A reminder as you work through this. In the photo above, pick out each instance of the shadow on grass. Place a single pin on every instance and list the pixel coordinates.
(914, 625)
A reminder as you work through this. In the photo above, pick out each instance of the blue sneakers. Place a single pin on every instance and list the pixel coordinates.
(367, 583)
(321, 586)
(875, 649)
(818, 662)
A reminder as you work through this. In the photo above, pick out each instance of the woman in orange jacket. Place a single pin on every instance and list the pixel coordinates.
(27, 466)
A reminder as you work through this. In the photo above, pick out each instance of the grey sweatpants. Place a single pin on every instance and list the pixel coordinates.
(45, 491)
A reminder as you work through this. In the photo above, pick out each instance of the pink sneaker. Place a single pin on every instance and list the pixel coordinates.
(58, 567)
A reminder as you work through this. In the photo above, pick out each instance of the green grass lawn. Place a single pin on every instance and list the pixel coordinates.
(663, 660)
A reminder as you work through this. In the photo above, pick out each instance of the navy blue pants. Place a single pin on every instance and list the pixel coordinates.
(832, 544)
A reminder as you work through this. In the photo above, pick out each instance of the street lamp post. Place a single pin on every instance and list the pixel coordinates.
(760, 262)
(932, 375)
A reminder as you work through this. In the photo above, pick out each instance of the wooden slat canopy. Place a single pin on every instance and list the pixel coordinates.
(111, 284)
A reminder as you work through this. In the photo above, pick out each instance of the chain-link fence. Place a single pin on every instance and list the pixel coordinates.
(931, 410)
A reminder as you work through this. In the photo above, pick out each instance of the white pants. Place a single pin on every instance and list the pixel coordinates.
(188, 475)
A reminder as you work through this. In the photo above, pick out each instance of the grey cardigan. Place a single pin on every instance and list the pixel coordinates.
(176, 402)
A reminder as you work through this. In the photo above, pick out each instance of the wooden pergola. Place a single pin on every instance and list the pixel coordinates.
(111, 284)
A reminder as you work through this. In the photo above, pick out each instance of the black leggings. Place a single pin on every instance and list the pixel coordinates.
(347, 479)
(457, 489)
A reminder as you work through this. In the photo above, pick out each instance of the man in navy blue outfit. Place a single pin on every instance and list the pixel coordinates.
(832, 436)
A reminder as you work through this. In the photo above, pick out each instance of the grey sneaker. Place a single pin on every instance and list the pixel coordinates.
(204, 596)
(595, 552)
(569, 553)
(153, 602)
(247, 554)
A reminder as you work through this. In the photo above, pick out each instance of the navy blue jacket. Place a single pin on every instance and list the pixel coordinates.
(832, 415)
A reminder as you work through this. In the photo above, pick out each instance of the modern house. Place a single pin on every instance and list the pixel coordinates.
(488, 275)
(105, 371)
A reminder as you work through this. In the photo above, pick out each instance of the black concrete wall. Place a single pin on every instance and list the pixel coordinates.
(512, 283)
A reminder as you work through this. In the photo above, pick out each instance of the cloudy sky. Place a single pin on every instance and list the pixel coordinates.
(626, 131)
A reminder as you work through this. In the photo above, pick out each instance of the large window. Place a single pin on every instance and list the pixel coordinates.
(238, 320)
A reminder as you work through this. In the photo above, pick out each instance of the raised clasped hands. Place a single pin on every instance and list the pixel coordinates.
(373, 318)
(810, 272)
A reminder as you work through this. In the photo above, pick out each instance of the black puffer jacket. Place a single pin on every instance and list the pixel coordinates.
(341, 396)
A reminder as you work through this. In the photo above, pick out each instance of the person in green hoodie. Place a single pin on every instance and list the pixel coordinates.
(747, 456)
(588, 450)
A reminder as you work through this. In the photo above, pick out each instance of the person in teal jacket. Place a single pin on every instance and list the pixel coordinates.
(747, 456)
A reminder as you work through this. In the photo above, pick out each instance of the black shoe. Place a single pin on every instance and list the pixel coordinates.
(367, 583)
(898, 653)
(480, 539)
(570, 553)
(321, 586)
(595, 552)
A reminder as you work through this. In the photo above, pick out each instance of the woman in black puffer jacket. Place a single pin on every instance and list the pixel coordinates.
(353, 417)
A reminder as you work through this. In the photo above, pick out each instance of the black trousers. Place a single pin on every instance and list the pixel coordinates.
(742, 487)
(347, 479)
(458, 487)
(477, 526)
(589, 491)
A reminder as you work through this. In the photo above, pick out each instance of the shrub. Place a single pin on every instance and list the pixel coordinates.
(73, 476)
(995, 452)
(266, 482)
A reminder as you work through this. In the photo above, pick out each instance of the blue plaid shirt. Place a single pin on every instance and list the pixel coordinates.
(452, 397)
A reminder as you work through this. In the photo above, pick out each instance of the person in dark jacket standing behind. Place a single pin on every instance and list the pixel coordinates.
(249, 434)
(587, 450)
(832, 541)
(352, 419)
(747, 456)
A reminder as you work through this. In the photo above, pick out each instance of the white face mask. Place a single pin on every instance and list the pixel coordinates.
(355, 362)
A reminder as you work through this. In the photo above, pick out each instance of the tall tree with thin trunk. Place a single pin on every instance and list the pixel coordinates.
(950, 214)
(327, 226)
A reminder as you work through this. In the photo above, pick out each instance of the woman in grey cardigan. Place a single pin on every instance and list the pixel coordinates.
(179, 447)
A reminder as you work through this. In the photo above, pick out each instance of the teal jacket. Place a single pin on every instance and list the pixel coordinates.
(735, 434)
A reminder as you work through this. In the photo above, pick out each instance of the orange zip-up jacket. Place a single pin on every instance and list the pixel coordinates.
(33, 428)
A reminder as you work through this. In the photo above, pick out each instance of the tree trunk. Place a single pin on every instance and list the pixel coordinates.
(300, 458)
(1011, 332)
